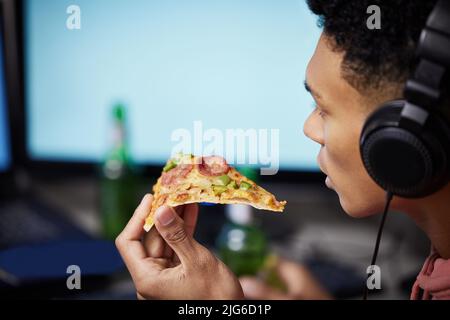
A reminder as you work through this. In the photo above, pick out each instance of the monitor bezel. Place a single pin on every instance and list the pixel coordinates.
(12, 74)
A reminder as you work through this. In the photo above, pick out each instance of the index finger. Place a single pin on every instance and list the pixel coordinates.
(129, 240)
(134, 229)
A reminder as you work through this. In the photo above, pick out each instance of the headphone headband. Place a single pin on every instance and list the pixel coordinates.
(423, 88)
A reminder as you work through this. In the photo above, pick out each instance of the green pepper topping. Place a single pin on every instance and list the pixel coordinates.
(232, 185)
(245, 185)
(169, 166)
(222, 180)
(219, 190)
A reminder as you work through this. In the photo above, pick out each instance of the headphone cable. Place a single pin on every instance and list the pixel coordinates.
(389, 197)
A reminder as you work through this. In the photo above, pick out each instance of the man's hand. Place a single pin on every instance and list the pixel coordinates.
(300, 284)
(167, 263)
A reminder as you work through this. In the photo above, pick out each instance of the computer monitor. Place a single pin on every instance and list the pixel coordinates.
(227, 63)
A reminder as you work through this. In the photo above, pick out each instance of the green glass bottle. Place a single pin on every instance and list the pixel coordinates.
(241, 244)
(118, 183)
(244, 247)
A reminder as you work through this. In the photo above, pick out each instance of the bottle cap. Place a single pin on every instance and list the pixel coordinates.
(119, 112)
(250, 172)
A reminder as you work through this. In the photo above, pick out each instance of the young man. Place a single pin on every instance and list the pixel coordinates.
(352, 71)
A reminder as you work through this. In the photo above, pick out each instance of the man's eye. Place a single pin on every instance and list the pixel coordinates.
(319, 111)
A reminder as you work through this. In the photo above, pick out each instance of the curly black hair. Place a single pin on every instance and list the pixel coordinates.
(373, 57)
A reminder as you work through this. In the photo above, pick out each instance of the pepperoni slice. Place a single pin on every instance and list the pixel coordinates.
(171, 177)
(213, 166)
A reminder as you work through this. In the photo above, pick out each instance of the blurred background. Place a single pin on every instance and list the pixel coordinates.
(89, 97)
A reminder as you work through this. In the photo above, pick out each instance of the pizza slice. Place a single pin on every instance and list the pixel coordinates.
(188, 179)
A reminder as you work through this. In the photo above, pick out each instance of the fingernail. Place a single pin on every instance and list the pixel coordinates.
(250, 286)
(165, 215)
(146, 198)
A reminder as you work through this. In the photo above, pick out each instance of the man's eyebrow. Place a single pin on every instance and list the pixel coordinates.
(310, 90)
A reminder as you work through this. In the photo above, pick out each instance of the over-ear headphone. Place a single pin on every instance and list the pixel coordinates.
(405, 144)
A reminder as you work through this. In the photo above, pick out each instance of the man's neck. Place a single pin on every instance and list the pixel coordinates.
(432, 215)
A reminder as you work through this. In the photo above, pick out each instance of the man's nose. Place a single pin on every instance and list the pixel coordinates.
(312, 128)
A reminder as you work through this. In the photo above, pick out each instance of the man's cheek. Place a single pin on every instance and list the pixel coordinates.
(339, 155)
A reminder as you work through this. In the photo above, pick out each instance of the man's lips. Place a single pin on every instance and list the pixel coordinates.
(319, 162)
(328, 181)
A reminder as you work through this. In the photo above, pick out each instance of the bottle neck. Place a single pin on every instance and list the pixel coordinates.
(117, 161)
(118, 135)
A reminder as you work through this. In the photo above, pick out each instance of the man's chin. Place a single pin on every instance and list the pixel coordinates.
(347, 205)
(355, 210)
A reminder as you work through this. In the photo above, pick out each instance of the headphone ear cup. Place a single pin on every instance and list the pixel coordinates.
(407, 162)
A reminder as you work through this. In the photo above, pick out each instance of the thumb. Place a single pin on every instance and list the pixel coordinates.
(256, 289)
(173, 230)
